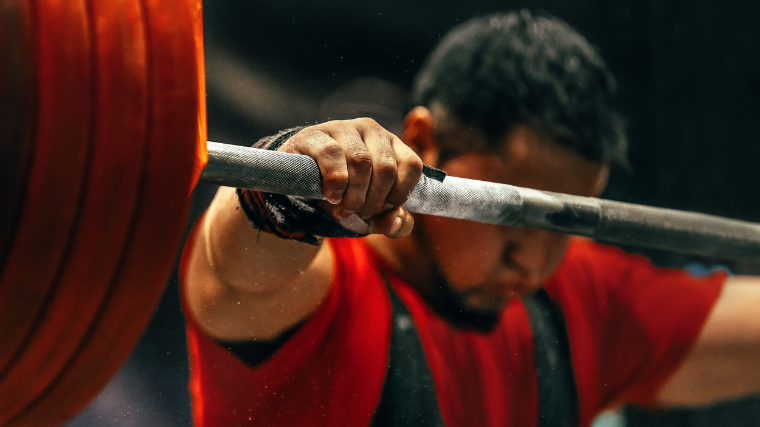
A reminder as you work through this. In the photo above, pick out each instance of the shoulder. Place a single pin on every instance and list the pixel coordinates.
(601, 269)
(601, 288)
(628, 322)
(589, 266)
(585, 254)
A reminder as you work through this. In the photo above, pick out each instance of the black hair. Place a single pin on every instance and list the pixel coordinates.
(499, 71)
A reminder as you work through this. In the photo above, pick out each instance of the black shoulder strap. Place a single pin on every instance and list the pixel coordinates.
(408, 398)
(557, 396)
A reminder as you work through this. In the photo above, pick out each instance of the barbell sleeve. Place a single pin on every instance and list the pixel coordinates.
(492, 203)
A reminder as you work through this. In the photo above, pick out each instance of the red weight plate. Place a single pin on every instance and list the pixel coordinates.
(61, 160)
(18, 114)
(110, 197)
(161, 212)
(201, 157)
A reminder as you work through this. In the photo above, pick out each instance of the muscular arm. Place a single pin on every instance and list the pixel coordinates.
(243, 285)
(725, 360)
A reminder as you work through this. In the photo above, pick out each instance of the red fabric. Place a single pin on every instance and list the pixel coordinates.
(629, 326)
(329, 373)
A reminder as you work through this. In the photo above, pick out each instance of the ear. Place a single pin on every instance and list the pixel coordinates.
(601, 183)
(517, 142)
(419, 135)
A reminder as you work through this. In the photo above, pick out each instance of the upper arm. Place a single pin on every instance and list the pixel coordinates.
(630, 324)
(241, 284)
(724, 361)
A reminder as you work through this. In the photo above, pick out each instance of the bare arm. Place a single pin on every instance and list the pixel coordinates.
(725, 362)
(242, 284)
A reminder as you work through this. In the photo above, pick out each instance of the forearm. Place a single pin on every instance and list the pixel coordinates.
(245, 258)
(244, 284)
(725, 361)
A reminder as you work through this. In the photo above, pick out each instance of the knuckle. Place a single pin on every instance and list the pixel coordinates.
(360, 161)
(329, 149)
(368, 122)
(308, 134)
(304, 131)
(369, 126)
(415, 166)
(294, 142)
(386, 168)
(306, 139)
(325, 127)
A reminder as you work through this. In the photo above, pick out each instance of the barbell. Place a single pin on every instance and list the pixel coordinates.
(102, 139)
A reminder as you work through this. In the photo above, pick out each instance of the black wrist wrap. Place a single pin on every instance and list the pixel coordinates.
(288, 217)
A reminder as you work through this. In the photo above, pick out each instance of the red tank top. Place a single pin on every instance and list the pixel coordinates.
(629, 326)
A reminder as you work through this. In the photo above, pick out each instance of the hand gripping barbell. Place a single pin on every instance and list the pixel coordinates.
(102, 139)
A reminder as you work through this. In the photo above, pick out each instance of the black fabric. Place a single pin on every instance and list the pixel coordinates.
(290, 217)
(255, 353)
(557, 395)
(273, 143)
(408, 398)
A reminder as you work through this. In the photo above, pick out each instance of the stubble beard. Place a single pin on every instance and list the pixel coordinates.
(453, 308)
(448, 303)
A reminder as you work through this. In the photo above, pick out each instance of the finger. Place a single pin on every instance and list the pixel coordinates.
(394, 224)
(408, 175)
(384, 171)
(329, 156)
(359, 163)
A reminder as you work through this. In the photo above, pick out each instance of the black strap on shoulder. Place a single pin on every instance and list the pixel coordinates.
(557, 396)
(408, 398)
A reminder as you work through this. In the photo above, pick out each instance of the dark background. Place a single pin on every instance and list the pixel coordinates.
(688, 83)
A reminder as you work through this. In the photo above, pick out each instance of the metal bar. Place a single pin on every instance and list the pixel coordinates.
(604, 220)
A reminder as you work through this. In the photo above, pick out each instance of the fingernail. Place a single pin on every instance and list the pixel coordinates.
(335, 197)
(396, 225)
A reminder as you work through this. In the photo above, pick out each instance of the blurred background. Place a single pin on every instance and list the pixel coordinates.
(689, 83)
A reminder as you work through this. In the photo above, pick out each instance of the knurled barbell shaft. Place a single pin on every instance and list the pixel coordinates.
(487, 202)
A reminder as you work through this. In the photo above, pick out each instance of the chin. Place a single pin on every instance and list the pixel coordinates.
(460, 313)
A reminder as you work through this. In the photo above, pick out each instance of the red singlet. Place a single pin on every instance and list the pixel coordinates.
(629, 326)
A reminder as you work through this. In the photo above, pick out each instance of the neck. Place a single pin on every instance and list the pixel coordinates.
(410, 259)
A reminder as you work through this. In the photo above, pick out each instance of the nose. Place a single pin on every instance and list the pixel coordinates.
(535, 253)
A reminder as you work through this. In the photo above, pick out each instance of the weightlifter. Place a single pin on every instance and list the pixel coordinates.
(294, 319)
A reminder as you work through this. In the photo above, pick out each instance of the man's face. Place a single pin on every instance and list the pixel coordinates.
(484, 266)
